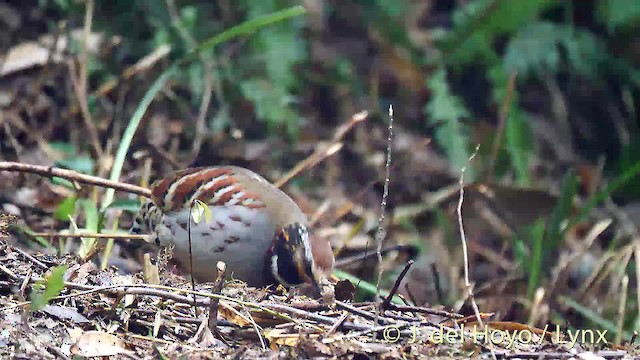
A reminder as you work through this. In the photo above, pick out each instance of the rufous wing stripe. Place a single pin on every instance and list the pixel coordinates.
(186, 187)
(251, 200)
(160, 187)
(227, 196)
(208, 195)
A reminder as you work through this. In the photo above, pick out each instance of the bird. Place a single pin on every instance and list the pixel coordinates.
(255, 228)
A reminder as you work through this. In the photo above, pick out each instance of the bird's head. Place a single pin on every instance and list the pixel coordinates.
(292, 259)
(145, 221)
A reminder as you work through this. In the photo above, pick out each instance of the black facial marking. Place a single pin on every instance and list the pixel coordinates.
(287, 242)
(287, 269)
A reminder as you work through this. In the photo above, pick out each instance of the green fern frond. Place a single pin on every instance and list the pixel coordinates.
(448, 108)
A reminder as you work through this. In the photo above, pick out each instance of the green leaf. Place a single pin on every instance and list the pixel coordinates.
(618, 13)
(131, 205)
(537, 48)
(270, 64)
(246, 28)
(42, 241)
(81, 164)
(66, 208)
(64, 182)
(54, 283)
(546, 239)
(67, 148)
(199, 211)
(366, 286)
(272, 105)
(555, 231)
(477, 24)
(91, 215)
(536, 262)
(517, 137)
(448, 108)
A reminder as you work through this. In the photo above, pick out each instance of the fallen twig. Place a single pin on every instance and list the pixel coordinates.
(91, 235)
(396, 285)
(49, 171)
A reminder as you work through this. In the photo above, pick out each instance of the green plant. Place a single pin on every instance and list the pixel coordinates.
(51, 287)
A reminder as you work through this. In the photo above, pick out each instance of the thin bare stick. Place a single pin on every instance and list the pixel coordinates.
(387, 300)
(143, 64)
(636, 255)
(465, 253)
(354, 310)
(463, 237)
(89, 235)
(322, 152)
(424, 310)
(342, 262)
(622, 309)
(49, 172)
(193, 281)
(217, 289)
(31, 258)
(381, 232)
(79, 81)
(338, 323)
(436, 283)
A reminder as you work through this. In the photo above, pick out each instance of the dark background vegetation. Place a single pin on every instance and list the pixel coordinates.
(551, 202)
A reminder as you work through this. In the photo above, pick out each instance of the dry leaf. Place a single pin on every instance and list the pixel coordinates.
(97, 343)
(232, 315)
(279, 337)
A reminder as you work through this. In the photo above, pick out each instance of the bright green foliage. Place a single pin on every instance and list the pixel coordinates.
(480, 21)
(546, 239)
(618, 13)
(269, 77)
(53, 285)
(537, 49)
(517, 137)
(446, 107)
(66, 208)
(200, 211)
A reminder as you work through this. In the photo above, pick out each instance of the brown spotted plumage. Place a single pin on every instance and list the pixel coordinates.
(256, 229)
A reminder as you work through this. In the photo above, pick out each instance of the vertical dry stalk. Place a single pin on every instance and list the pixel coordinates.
(381, 231)
(79, 81)
(622, 308)
(209, 81)
(465, 252)
(221, 267)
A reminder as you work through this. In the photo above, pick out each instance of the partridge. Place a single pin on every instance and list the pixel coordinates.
(255, 228)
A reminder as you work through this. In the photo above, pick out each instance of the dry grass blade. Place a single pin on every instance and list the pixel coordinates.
(323, 152)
